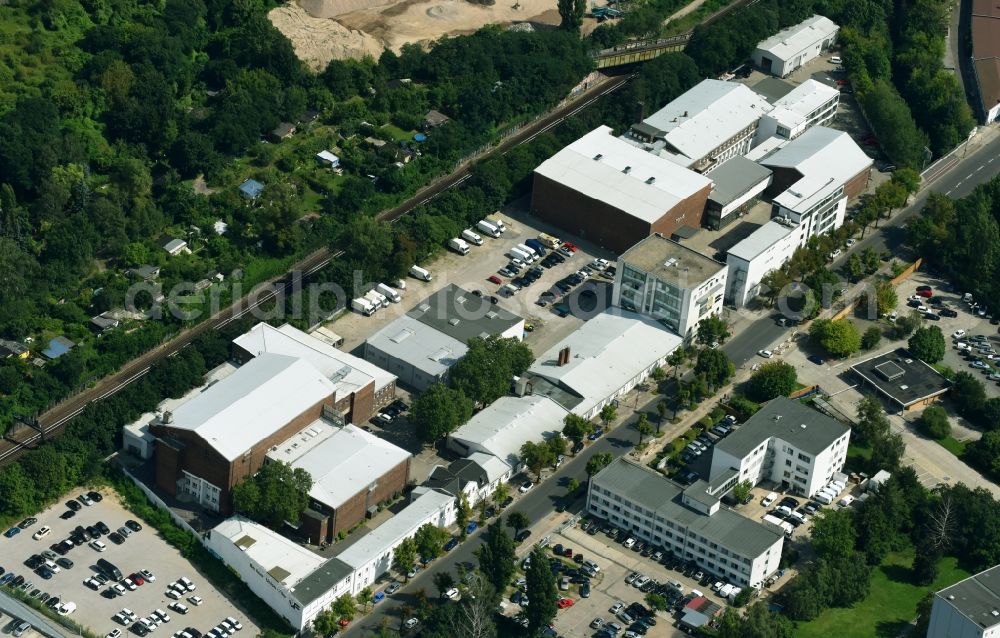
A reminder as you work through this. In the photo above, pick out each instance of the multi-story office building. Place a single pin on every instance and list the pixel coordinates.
(809, 104)
(689, 522)
(786, 443)
(669, 282)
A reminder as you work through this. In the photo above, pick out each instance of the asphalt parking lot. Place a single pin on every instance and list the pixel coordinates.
(472, 271)
(142, 550)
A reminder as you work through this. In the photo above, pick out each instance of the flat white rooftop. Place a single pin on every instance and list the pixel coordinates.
(283, 559)
(706, 116)
(341, 460)
(608, 169)
(796, 107)
(509, 422)
(760, 240)
(789, 42)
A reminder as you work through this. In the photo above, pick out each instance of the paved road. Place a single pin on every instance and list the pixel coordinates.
(537, 505)
(55, 419)
(41, 624)
(956, 176)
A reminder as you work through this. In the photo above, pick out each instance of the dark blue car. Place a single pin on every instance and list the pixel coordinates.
(451, 544)
(12, 532)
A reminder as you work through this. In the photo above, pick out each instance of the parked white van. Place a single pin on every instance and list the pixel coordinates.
(420, 273)
(472, 237)
(390, 293)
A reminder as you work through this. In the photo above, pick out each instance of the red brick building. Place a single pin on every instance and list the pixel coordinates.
(615, 194)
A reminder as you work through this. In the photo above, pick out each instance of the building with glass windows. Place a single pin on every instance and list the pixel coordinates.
(670, 283)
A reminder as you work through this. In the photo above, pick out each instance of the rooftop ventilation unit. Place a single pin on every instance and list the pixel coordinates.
(453, 321)
(650, 180)
(597, 158)
(627, 170)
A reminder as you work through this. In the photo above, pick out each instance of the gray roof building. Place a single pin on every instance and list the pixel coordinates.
(734, 178)
(663, 499)
(797, 424)
(970, 607)
(421, 346)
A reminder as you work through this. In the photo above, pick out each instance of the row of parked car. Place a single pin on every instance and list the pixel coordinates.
(708, 438)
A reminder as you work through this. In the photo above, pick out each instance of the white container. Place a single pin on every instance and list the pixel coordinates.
(378, 300)
(459, 246)
(362, 306)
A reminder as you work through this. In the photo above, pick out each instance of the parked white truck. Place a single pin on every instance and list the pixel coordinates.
(488, 228)
(362, 306)
(389, 293)
(420, 273)
(459, 246)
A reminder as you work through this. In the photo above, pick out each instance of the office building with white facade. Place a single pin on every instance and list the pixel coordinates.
(809, 104)
(708, 124)
(813, 178)
(786, 443)
(736, 186)
(793, 47)
(968, 609)
(671, 283)
(690, 522)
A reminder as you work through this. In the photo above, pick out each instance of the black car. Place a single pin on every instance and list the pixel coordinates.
(585, 590)
(28, 522)
(68, 514)
(102, 527)
(194, 632)
(139, 629)
(33, 561)
(948, 312)
(73, 505)
(52, 602)
(789, 502)
(95, 496)
(65, 563)
(132, 525)
(94, 532)
(116, 538)
(815, 358)
(507, 501)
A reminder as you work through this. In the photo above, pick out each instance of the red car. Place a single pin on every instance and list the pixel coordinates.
(564, 603)
(568, 552)
(494, 279)
(843, 82)
(925, 293)
(137, 579)
(343, 622)
(927, 288)
(569, 246)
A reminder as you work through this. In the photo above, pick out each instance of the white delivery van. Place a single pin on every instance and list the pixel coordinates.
(472, 237)
(508, 290)
(389, 293)
(770, 498)
(846, 501)
(459, 246)
(528, 249)
(517, 253)
(488, 228)
(420, 273)
(823, 497)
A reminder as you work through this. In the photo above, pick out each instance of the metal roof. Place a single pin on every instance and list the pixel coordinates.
(462, 315)
(760, 240)
(901, 377)
(510, 422)
(606, 353)
(735, 177)
(773, 89)
(658, 494)
(251, 188)
(346, 371)
(798, 425)
(342, 461)
(622, 175)
(826, 158)
(257, 400)
(791, 41)
(977, 597)
(671, 261)
(796, 107)
(427, 508)
(706, 116)
(58, 347)
(420, 345)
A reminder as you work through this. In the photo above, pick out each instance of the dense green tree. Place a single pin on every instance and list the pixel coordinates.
(484, 374)
(517, 521)
(405, 556)
(443, 581)
(576, 428)
(871, 338)
(643, 427)
(758, 622)
(497, 557)
(597, 463)
(275, 494)
(934, 422)
(927, 344)
(715, 366)
(571, 14)
(537, 456)
(463, 513)
(438, 411)
(430, 540)
(773, 379)
(968, 394)
(839, 338)
(344, 607)
(541, 582)
(887, 452)
(608, 414)
(741, 490)
(833, 534)
(712, 329)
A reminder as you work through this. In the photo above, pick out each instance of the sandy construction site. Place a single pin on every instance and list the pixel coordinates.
(323, 30)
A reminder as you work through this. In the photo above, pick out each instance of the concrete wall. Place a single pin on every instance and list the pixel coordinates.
(355, 509)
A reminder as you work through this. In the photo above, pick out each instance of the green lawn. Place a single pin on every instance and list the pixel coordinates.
(397, 133)
(890, 606)
(953, 445)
